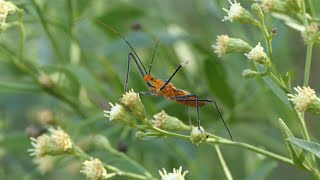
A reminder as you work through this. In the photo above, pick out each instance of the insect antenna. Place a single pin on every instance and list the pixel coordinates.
(154, 52)
(116, 32)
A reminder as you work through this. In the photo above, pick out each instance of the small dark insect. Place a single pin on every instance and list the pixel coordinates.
(165, 88)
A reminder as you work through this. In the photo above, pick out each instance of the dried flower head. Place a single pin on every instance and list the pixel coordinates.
(258, 55)
(226, 45)
(133, 102)
(304, 97)
(94, 170)
(58, 142)
(175, 175)
(237, 13)
(120, 114)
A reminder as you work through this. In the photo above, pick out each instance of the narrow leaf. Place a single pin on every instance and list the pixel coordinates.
(296, 154)
(311, 147)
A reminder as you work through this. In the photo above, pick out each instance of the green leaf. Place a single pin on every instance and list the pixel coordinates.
(296, 154)
(311, 147)
(217, 81)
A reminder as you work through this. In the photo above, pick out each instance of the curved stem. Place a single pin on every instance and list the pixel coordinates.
(223, 163)
(251, 148)
(22, 36)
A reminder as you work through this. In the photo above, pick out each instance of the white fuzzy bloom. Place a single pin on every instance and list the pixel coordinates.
(175, 175)
(258, 55)
(221, 46)
(39, 145)
(94, 169)
(6, 8)
(235, 11)
(303, 98)
(115, 112)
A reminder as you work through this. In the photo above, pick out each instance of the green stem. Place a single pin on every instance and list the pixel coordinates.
(22, 35)
(223, 163)
(251, 148)
(308, 63)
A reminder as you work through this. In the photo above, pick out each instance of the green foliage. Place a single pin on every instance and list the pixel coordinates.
(61, 68)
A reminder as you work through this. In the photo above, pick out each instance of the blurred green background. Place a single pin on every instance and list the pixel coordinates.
(64, 40)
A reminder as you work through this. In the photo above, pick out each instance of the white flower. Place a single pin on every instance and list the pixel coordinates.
(6, 8)
(221, 46)
(45, 164)
(40, 145)
(235, 12)
(258, 55)
(94, 169)
(175, 175)
(303, 99)
(225, 45)
(58, 142)
(120, 114)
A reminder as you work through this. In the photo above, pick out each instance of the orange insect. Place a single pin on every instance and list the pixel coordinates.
(160, 87)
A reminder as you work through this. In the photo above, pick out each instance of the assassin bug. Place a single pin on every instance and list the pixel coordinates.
(165, 88)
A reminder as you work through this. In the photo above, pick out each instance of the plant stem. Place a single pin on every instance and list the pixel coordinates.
(223, 163)
(22, 36)
(251, 148)
(308, 63)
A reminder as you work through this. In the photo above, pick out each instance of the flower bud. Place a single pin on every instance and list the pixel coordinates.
(166, 122)
(133, 102)
(198, 136)
(257, 9)
(120, 113)
(140, 135)
(239, 14)
(226, 45)
(248, 73)
(274, 5)
(258, 55)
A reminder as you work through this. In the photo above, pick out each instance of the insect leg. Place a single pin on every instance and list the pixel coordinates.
(128, 69)
(148, 93)
(184, 97)
(181, 99)
(173, 74)
(189, 117)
